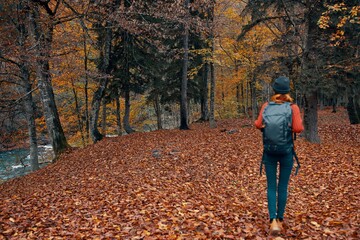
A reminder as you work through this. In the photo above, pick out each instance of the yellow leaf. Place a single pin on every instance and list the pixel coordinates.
(315, 224)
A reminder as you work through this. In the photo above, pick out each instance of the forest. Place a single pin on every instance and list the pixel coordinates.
(85, 75)
(73, 72)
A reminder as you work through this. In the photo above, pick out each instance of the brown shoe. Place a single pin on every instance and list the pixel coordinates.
(280, 224)
(274, 228)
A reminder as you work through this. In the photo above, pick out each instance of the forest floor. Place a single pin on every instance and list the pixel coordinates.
(197, 184)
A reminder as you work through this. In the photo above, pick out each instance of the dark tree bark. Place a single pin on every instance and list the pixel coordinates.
(103, 119)
(311, 118)
(118, 119)
(30, 117)
(353, 109)
(27, 88)
(308, 76)
(253, 98)
(158, 112)
(212, 93)
(95, 108)
(238, 91)
(244, 95)
(211, 14)
(238, 99)
(78, 114)
(100, 92)
(126, 119)
(333, 103)
(43, 37)
(184, 80)
(205, 93)
(86, 91)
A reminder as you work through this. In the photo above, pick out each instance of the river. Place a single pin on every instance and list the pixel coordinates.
(16, 163)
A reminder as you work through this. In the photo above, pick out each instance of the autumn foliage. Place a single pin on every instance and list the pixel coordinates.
(197, 184)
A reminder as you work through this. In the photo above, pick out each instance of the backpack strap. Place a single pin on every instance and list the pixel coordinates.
(295, 156)
(297, 162)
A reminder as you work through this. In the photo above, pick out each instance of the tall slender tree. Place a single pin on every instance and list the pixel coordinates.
(211, 15)
(184, 78)
(19, 57)
(25, 76)
(308, 73)
(42, 27)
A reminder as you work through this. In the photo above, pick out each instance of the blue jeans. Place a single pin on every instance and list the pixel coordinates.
(279, 189)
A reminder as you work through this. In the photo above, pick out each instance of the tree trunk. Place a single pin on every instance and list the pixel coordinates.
(238, 96)
(100, 92)
(30, 117)
(205, 93)
(244, 98)
(238, 100)
(43, 42)
(95, 109)
(212, 93)
(247, 99)
(333, 103)
(311, 118)
(353, 109)
(77, 110)
(322, 100)
(184, 79)
(211, 15)
(28, 100)
(103, 119)
(158, 112)
(118, 119)
(126, 119)
(253, 98)
(87, 118)
(308, 77)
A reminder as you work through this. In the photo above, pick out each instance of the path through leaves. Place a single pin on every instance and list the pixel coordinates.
(197, 184)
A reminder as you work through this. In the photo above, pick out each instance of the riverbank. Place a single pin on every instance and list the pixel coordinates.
(16, 162)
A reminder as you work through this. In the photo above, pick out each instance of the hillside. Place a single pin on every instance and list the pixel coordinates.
(197, 184)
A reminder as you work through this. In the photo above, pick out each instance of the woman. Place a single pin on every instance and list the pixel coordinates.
(276, 207)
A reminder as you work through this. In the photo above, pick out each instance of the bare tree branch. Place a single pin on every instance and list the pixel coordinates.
(45, 5)
(20, 98)
(248, 27)
(290, 18)
(57, 6)
(65, 19)
(5, 59)
(80, 17)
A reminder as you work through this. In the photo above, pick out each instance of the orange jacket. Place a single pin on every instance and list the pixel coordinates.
(297, 125)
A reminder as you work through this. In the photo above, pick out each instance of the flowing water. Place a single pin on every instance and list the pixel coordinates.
(16, 162)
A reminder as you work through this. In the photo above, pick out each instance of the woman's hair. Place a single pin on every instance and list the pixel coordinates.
(282, 98)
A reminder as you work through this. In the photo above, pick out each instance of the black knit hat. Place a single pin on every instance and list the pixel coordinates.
(281, 85)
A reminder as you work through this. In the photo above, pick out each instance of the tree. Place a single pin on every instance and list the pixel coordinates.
(21, 60)
(184, 78)
(308, 72)
(105, 43)
(25, 73)
(211, 65)
(42, 27)
(341, 24)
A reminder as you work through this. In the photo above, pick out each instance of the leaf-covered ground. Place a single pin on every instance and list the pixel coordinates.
(197, 184)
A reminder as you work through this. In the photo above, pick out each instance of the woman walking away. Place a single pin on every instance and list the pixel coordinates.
(278, 120)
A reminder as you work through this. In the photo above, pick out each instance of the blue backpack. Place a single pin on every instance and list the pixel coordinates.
(277, 133)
